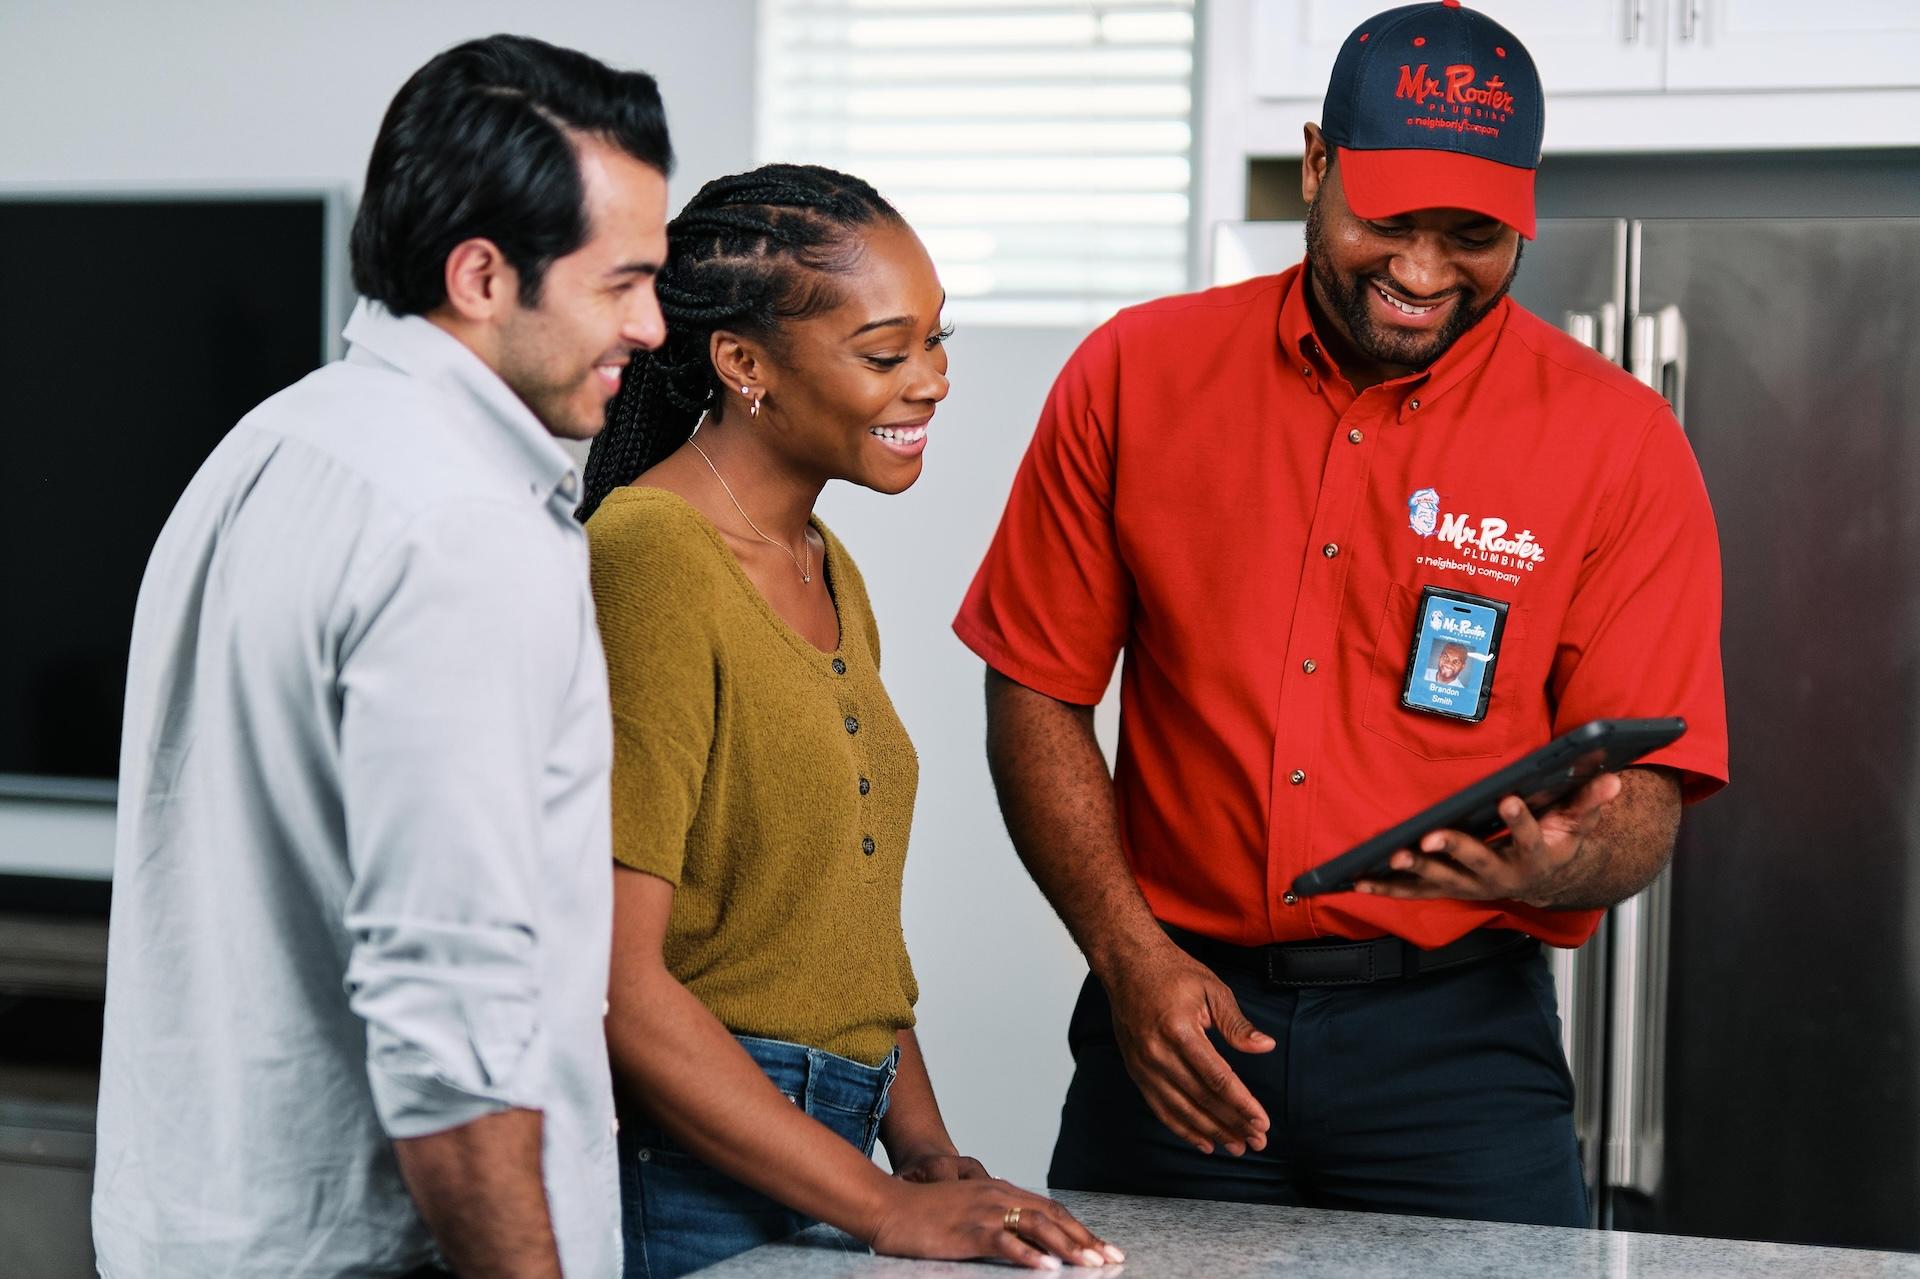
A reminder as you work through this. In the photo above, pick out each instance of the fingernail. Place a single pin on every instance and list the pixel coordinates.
(1049, 1263)
(1088, 1257)
(1114, 1253)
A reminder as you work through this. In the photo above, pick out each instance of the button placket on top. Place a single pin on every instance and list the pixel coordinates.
(1312, 640)
(851, 722)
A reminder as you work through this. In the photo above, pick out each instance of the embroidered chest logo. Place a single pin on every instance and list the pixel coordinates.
(1423, 512)
(1486, 547)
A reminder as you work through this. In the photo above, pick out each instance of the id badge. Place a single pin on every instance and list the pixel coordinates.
(1456, 645)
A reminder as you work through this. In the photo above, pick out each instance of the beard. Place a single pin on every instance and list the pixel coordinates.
(1347, 299)
(540, 363)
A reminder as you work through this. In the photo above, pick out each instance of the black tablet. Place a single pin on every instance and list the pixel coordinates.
(1542, 779)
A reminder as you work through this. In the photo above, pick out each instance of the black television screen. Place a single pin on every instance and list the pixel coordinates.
(134, 332)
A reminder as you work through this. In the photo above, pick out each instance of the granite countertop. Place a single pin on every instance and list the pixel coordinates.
(1200, 1239)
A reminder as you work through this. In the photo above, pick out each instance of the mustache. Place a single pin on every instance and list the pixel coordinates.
(1388, 283)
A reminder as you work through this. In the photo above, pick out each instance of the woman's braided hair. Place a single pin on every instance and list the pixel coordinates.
(747, 254)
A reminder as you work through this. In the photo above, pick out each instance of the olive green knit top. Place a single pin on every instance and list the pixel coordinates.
(770, 782)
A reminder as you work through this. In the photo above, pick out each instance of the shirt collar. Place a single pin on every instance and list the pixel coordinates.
(1302, 346)
(513, 436)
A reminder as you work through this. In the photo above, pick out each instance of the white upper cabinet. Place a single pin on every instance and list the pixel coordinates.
(1587, 47)
(1580, 46)
(1793, 44)
(1294, 41)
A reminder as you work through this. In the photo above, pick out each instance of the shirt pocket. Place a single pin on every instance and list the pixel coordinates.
(1438, 737)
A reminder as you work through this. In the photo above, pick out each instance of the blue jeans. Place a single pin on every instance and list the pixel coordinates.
(678, 1214)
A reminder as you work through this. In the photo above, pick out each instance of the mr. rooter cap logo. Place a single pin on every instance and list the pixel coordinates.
(1456, 97)
(1416, 84)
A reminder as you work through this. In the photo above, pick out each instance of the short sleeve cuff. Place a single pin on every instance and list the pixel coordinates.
(1701, 773)
(988, 647)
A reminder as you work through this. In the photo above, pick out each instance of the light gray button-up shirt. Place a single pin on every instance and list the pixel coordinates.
(362, 878)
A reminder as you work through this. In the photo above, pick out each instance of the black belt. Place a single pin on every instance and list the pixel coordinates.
(1347, 963)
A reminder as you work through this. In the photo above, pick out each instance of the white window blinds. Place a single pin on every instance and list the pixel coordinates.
(1041, 150)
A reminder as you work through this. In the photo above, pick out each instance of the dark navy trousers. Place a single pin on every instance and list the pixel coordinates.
(1445, 1094)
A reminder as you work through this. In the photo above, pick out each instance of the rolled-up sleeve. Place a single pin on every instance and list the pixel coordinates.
(452, 670)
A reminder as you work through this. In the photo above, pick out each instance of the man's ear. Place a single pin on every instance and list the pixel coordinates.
(1313, 164)
(480, 282)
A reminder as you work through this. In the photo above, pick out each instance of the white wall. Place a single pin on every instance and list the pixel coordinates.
(240, 90)
(258, 91)
(230, 92)
(998, 973)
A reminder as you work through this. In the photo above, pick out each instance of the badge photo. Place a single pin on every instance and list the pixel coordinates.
(1455, 646)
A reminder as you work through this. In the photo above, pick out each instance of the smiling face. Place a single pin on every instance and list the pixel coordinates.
(853, 389)
(564, 357)
(1452, 660)
(1393, 294)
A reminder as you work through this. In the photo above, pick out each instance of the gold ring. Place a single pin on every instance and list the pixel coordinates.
(1013, 1220)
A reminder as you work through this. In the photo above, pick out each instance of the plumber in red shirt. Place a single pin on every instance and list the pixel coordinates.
(1267, 496)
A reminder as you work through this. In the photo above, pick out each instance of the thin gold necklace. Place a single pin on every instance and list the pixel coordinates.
(806, 569)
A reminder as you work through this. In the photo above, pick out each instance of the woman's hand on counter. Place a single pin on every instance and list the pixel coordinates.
(982, 1216)
(941, 1165)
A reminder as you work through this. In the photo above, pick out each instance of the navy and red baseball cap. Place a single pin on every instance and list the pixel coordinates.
(1434, 106)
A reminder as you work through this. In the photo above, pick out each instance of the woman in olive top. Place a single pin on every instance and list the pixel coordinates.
(762, 999)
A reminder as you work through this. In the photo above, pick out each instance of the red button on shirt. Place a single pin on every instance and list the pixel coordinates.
(1181, 498)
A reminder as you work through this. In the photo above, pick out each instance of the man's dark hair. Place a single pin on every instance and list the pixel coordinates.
(749, 254)
(476, 144)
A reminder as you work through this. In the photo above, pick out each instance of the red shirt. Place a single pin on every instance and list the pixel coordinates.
(1222, 506)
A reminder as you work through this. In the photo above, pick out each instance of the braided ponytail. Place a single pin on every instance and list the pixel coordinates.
(748, 253)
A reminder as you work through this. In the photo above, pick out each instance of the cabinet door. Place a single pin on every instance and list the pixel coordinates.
(1580, 46)
(1789, 44)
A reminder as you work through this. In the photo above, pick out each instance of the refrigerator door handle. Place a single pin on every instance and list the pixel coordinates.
(1637, 1047)
(1638, 943)
(1636, 17)
(1599, 329)
(1658, 355)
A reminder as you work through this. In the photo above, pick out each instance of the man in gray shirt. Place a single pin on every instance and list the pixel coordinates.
(361, 914)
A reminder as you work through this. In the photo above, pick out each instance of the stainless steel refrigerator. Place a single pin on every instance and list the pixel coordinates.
(1745, 1036)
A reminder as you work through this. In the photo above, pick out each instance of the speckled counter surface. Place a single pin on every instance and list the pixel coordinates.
(1197, 1239)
